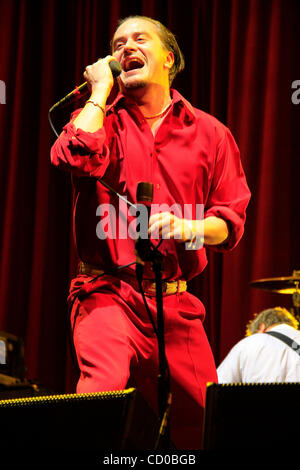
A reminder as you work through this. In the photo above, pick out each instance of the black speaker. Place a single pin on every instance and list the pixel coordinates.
(99, 421)
(252, 416)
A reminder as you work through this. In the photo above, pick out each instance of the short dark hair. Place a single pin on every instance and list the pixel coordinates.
(168, 40)
(271, 316)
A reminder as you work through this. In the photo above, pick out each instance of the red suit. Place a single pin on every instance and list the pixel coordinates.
(192, 160)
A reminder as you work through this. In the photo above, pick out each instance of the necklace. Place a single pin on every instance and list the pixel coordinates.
(159, 114)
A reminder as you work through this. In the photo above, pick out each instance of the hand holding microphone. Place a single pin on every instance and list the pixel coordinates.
(94, 74)
(101, 74)
(100, 81)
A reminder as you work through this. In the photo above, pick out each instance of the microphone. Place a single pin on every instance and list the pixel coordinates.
(115, 68)
(144, 198)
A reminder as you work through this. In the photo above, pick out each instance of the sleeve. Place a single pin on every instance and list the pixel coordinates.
(82, 153)
(229, 194)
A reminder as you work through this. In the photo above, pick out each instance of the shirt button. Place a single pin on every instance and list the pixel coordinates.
(157, 186)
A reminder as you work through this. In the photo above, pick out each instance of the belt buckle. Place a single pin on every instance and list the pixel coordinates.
(164, 286)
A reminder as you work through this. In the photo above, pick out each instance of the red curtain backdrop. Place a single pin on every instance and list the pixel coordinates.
(241, 59)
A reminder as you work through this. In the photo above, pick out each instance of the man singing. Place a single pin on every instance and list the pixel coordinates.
(150, 133)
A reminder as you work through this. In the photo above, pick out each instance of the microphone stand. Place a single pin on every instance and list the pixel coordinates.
(164, 394)
(153, 255)
(146, 251)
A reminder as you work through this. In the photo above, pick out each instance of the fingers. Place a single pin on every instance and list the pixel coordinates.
(168, 226)
(107, 59)
(160, 225)
(99, 72)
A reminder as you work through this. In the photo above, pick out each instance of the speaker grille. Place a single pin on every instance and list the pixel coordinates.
(99, 421)
(251, 416)
(67, 398)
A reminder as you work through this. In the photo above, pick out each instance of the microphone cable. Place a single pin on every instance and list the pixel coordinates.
(164, 421)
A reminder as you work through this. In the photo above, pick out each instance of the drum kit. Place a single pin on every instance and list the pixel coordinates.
(283, 285)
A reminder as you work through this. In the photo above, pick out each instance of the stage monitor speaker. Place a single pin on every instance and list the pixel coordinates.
(114, 420)
(251, 416)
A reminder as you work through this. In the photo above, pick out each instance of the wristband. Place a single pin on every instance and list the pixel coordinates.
(96, 104)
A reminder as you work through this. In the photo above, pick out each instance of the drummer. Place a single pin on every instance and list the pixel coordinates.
(270, 352)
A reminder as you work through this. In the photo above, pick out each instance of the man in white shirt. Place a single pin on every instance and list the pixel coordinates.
(261, 357)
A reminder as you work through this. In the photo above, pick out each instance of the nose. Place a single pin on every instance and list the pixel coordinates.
(130, 45)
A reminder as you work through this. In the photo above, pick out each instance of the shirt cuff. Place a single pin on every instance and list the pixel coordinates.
(91, 141)
(235, 227)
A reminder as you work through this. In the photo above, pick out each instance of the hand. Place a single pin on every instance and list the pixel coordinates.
(99, 76)
(211, 230)
(167, 225)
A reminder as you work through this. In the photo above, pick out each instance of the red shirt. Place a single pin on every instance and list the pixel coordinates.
(192, 159)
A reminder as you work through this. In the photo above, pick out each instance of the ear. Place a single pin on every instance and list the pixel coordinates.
(169, 60)
(261, 328)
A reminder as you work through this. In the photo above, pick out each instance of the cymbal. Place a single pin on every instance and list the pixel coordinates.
(281, 285)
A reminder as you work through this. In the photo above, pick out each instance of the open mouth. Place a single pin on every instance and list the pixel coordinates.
(133, 64)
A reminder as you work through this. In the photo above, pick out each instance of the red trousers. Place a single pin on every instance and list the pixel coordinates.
(115, 346)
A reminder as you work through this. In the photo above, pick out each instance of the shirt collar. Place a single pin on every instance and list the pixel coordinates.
(282, 326)
(179, 101)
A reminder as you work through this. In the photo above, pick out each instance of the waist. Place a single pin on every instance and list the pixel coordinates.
(148, 286)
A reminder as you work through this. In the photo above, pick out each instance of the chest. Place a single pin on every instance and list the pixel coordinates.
(178, 159)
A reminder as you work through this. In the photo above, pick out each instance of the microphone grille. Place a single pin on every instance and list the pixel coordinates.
(115, 68)
(144, 192)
